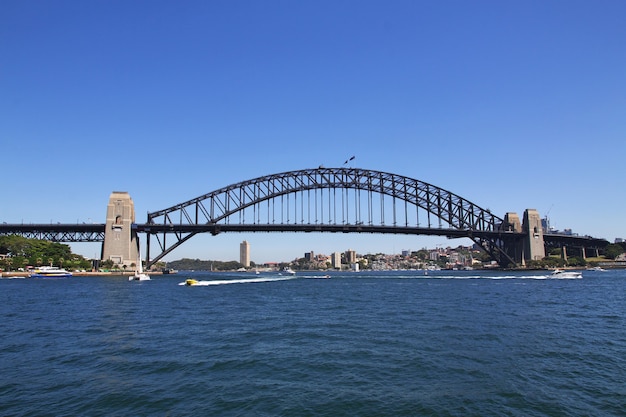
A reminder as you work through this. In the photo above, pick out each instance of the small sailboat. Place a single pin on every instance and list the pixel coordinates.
(139, 274)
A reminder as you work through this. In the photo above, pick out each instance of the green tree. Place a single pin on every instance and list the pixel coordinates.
(14, 245)
(612, 251)
(576, 261)
(555, 251)
(8, 262)
(422, 254)
(107, 264)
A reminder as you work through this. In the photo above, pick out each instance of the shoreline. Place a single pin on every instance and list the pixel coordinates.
(5, 274)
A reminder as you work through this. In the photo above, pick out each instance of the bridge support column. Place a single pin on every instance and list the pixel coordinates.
(564, 253)
(534, 248)
(515, 249)
(120, 241)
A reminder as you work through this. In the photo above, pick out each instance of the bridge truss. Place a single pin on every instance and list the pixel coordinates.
(343, 200)
(92, 232)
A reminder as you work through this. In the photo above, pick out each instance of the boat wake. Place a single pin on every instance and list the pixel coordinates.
(489, 277)
(193, 282)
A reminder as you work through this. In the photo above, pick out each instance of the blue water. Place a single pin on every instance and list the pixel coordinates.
(359, 344)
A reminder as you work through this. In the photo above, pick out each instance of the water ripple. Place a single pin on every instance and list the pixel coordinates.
(375, 345)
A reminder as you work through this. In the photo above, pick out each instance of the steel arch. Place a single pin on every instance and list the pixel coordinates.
(226, 208)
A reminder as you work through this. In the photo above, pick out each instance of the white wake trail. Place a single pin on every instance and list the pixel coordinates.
(236, 281)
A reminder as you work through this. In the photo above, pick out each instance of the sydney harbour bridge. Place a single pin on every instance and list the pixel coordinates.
(338, 200)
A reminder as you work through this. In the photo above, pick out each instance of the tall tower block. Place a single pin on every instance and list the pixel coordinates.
(120, 243)
(244, 254)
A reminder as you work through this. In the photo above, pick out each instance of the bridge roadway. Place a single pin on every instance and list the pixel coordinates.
(94, 232)
(56, 232)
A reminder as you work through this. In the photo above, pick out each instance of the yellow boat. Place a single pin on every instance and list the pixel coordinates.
(191, 282)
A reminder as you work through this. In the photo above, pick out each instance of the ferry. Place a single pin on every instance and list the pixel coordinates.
(50, 272)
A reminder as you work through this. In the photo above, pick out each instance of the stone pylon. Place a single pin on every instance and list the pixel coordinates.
(514, 248)
(120, 242)
(534, 246)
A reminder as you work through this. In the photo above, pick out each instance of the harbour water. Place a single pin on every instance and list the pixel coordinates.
(454, 343)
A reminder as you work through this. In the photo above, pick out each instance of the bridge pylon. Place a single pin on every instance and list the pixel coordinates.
(514, 247)
(534, 246)
(120, 240)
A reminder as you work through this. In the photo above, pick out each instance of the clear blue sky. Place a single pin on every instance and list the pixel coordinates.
(512, 105)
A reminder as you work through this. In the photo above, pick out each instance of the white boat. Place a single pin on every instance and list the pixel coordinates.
(139, 274)
(597, 268)
(50, 272)
(559, 273)
(288, 271)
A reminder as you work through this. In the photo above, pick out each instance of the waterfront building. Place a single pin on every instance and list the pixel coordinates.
(244, 254)
(335, 260)
(350, 256)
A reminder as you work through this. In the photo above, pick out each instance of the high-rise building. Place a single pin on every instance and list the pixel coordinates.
(335, 259)
(350, 256)
(244, 254)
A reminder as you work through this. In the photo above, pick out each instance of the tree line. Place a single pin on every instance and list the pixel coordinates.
(18, 252)
(187, 264)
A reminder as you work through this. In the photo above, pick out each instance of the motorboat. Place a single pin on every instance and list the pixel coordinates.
(596, 268)
(50, 272)
(559, 273)
(287, 271)
(190, 282)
